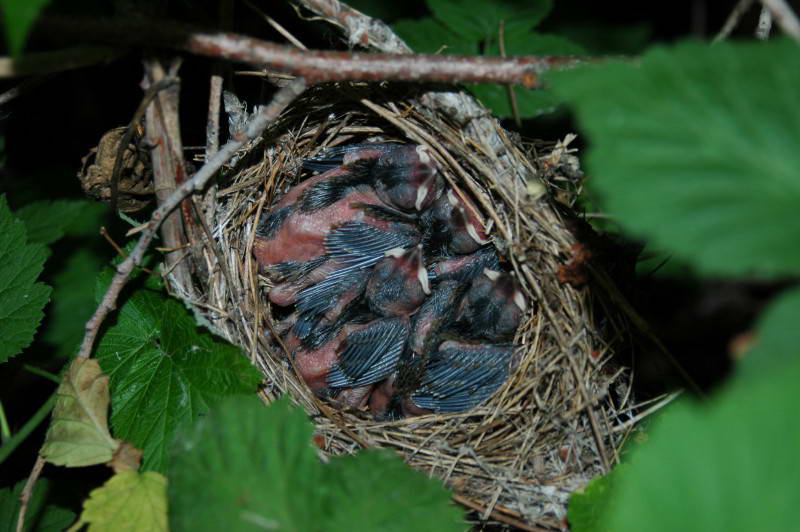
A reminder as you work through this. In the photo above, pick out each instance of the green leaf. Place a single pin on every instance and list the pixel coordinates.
(39, 517)
(73, 301)
(429, 36)
(588, 505)
(78, 434)
(777, 337)
(165, 371)
(21, 298)
(130, 501)
(531, 103)
(47, 221)
(695, 148)
(729, 465)
(247, 467)
(250, 467)
(479, 20)
(379, 492)
(19, 16)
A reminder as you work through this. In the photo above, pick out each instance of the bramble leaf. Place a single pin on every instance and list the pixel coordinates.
(250, 467)
(18, 16)
(429, 36)
(130, 501)
(377, 490)
(479, 20)
(530, 102)
(21, 297)
(78, 434)
(695, 148)
(40, 517)
(47, 221)
(705, 466)
(165, 371)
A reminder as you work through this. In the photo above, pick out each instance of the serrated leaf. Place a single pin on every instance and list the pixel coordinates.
(379, 492)
(531, 103)
(18, 17)
(129, 501)
(39, 517)
(164, 371)
(21, 297)
(73, 301)
(430, 36)
(78, 434)
(695, 147)
(478, 20)
(588, 505)
(248, 467)
(726, 465)
(46, 221)
(777, 337)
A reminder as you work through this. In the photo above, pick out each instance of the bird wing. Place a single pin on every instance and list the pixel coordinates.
(333, 157)
(457, 379)
(369, 354)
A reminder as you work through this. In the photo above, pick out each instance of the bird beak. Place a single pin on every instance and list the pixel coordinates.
(422, 272)
(519, 300)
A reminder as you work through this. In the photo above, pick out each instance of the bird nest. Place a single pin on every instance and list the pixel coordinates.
(557, 420)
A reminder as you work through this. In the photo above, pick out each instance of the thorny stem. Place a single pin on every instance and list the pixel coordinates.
(314, 66)
(271, 112)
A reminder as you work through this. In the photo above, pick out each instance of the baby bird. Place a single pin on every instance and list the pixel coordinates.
(460, 376)
(433, 317)
(351, 248)
(491, 308)
(451, 227)
(405, 176)
(397, 286)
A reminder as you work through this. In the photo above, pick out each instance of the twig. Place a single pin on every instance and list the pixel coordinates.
(478, 507)
(27, 491)
(119, 250)
(315, 66)
(277, 27)
(733, 19)
(163, 133)
(130, 130)
(23, 87)
(784, 17)
(360, 28)
(268, 114)
(214, 105)
(22, 434)
(215, 87)
(641, 415)
(39, 63)
(764, 24)
(512, 95)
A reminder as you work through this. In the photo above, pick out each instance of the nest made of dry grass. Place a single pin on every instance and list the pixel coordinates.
(558, 421)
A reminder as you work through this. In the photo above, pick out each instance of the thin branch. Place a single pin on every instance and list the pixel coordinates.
(732, 21)
(785, 18)
(218, 70)
(360, 28)
(512, 96)
(39, 63)
(23, 87)
(277, 27)
(315, 66)
(27, 491)
(129, 132)
(764, 24)
(163, 134)
(268, 114)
